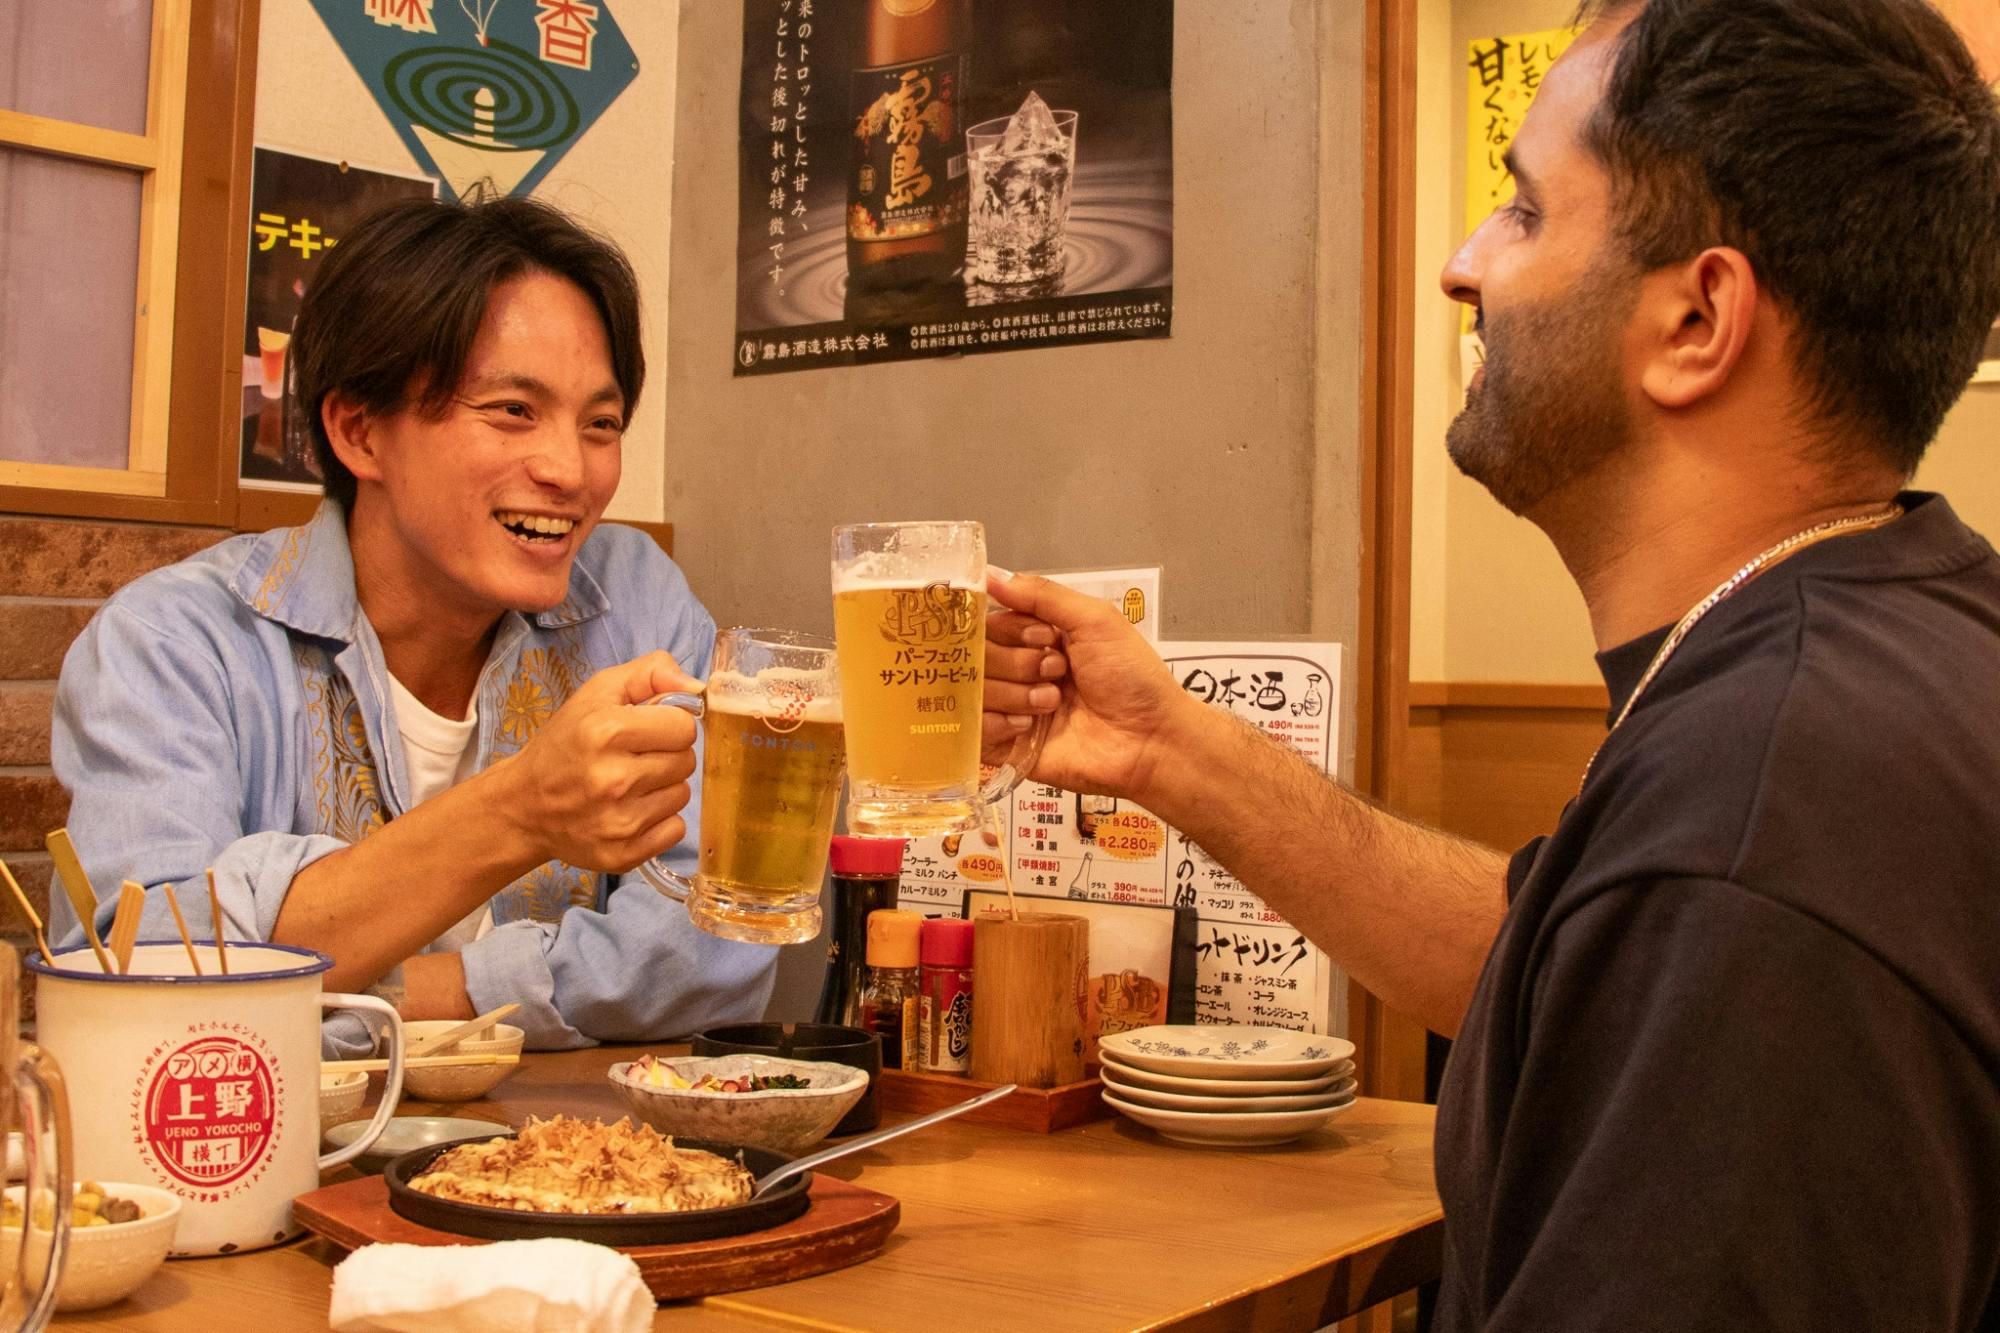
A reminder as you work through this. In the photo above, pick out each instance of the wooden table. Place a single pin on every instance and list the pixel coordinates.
(1105, 1226)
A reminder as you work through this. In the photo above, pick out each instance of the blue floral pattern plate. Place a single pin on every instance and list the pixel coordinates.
(1227, 1051)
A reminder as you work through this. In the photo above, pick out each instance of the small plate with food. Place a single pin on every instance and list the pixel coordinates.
(616, 1184)
(758, 1100)
(119, 1236)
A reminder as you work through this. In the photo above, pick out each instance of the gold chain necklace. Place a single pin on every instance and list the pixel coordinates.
(1819, 532)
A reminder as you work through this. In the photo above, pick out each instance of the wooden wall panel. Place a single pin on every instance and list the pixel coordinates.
(1497, 763)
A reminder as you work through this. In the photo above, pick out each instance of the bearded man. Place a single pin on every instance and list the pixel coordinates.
(1728, 1039)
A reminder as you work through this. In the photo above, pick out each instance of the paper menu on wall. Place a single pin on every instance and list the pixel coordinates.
(1252, 966)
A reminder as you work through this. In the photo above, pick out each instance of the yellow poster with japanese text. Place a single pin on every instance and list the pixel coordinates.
(1503, 74)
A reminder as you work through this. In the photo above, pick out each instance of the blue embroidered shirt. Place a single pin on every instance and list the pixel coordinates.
(233, 711)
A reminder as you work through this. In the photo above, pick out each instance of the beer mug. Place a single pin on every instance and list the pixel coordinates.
(909, 614)
(772, 754)
(34, 1083)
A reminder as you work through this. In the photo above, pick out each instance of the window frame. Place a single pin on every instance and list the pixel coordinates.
(188, 361)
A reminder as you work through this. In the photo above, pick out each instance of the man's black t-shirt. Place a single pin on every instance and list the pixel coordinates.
(1734, 1061)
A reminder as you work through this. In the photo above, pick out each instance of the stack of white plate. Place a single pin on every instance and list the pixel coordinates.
(1225, 1084)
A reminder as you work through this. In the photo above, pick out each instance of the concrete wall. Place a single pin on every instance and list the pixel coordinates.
(1196, 452)
(1489, 599)
(1228, 454)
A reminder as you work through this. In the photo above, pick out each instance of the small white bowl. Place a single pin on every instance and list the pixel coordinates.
(340, 1096)
(786, 1120)
(107, 1263)
(460, 1083)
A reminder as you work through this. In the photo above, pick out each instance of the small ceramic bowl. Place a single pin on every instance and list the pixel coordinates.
(807, 1041)
(340, 1096)
(460, 1083)
(106, 1263)
(786, 1120)
(406, 1132)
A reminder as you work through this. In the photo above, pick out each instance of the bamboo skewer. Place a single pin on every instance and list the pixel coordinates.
(81, 896)
(420, 1062)
(125, 925)
(180, 924)
(28, 911)
(215, 914)
(992, 825)
(453, 1035)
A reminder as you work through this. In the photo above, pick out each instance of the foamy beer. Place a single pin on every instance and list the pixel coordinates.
(909, 614)
(770, 781)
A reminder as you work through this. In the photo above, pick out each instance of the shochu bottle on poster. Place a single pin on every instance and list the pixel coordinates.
(906, 191)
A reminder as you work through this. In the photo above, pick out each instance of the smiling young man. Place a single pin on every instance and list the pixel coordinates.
(1728, 1044)
(414, 733)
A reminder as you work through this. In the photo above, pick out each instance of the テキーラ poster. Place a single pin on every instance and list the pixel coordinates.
(300, 207)
(940, 177)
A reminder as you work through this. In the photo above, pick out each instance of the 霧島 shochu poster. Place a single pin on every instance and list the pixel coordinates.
(938, 177)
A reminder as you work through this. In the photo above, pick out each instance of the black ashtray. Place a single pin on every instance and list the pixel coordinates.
(808, 1041)
(781, 1204)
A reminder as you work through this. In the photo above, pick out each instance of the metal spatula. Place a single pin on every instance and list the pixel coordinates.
(804, 1164)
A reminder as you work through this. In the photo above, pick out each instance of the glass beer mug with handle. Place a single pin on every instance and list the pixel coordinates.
(909, 614)
(772, 758)
(33, 1252)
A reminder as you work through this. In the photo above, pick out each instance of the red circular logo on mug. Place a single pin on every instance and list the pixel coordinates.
(209, 1113)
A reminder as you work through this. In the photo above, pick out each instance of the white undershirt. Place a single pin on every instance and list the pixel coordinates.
(438, 754)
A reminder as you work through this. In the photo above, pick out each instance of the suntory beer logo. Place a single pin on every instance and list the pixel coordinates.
(938, 613)
(207, 1112)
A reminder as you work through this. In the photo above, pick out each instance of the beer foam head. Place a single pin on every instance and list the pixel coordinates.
(777, 692)
(867, 575)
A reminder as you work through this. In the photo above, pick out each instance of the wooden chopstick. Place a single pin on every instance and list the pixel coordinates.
(438, 1041)
(215, 912)
(419, 1062)
(180, 924)
(125, 925)
(28, 911)
(69, 869)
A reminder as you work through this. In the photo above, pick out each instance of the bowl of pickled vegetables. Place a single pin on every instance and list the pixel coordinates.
(119, 1236)
(757, 1100)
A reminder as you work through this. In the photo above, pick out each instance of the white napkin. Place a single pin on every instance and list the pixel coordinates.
(514, 1286)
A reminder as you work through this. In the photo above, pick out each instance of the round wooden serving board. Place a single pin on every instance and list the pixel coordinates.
(845, 1225)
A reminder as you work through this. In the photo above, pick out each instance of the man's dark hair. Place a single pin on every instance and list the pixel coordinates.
(1851, 150)
(392, 313)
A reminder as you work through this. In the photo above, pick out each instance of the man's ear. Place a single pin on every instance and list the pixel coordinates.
(351, 431)
(1697, 318)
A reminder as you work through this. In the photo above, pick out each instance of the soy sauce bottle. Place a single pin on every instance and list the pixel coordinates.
(867, 873)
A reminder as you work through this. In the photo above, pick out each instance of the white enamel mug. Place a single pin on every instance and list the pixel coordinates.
(207, 1086)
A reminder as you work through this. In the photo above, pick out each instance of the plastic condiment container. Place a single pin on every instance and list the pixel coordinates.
(945, 1014)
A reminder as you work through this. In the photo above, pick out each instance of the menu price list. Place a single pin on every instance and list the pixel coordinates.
(1252, 965)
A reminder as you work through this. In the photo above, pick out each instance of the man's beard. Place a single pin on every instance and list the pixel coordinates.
(1551, 404)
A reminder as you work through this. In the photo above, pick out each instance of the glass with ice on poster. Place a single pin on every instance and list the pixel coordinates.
(1020, 168)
